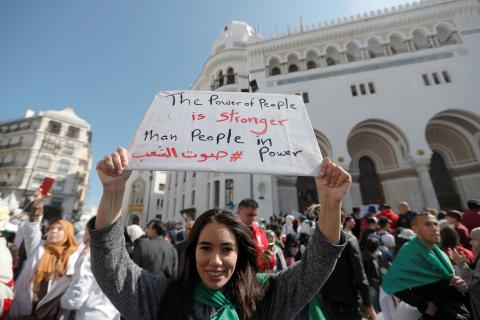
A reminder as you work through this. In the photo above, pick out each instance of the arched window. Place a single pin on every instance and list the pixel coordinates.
(330, 61)
(445, 36)
(292, 68)
(292, 61)
(274, 66)
(370, 186)
(220, 78)
(397, 45)
(442, 183)
(332, 56)
(311, 65)
(374, 48)
(353, 52)
(312, 59)
(230, 76)
(420, 40)
(275, 71)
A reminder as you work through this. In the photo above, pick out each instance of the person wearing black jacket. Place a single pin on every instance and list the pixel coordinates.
(347, 286)
(155, 254)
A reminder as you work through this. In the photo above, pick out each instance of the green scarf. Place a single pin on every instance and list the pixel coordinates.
(215, 299)
(316, 309)
(415, 266)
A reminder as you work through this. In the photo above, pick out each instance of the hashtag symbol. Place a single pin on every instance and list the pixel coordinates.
(236, 155)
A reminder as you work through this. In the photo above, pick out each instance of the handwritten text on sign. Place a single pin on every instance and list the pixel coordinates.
(226, 132)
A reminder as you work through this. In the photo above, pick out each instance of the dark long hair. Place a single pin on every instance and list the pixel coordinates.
(243, 289)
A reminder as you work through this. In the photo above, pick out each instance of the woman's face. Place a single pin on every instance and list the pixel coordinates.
(55, 233)
(216, 255)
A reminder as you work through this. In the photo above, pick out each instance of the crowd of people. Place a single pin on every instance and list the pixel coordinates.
(322, 264)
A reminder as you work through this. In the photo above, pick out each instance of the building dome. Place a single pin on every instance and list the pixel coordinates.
(234, 35)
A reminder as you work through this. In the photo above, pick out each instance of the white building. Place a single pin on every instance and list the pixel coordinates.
(144, 197)
(392, 95)
(55, 144)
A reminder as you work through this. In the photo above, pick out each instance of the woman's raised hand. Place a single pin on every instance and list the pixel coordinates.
(111, 170)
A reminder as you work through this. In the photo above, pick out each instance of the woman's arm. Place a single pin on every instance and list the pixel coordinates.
(296, 286)
(135, 292)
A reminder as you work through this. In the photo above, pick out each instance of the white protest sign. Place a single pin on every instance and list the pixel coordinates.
(226, 132)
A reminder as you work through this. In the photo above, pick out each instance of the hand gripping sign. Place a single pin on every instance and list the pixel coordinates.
(226, 132)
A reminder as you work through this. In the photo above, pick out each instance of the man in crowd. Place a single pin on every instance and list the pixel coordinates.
(405, 215)
(155, 254)
(180, 246)
(247, 212)
(386, 211)
(454, 217)
(422, 275)
(347, 288)
(471, 217)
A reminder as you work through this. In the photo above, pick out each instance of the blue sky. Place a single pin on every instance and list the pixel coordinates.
(109, 58)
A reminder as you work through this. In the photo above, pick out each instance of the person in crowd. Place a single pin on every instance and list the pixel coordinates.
(471, 217)
(133, 233)
(280, 263)
(288, 226)
(84, 298)
(349, 224)
(422, 275)
(247, 212)
(292, 249)
(347, 289)
(387, 240)
(6, 268)
(180, 246)
(405, 215)
(471, 275)
(386, 211)
(371, 228)
(155, 254)
(403, 237)
(372, 211)
(449, 241)
(442, 215)
(371, 261)
(357, 219)
(46, 273)
(454, 217)
(219, 278)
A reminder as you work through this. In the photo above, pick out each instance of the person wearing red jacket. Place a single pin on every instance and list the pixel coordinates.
(247, 212)
(471, 217)
(386, 211)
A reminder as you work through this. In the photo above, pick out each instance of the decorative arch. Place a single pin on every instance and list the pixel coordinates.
(457, 134)
(332, 55)
(397, 42)
(446, 34)
(353, 51)
(374, 48)
(274, 66)
(420, 38)
(454, 138)
(230, 76)
(311, 58)
(323, 143)
(293, 62)
(382, 141)
(312, 52)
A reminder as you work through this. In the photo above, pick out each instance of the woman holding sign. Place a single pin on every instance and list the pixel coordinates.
(219, 279)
